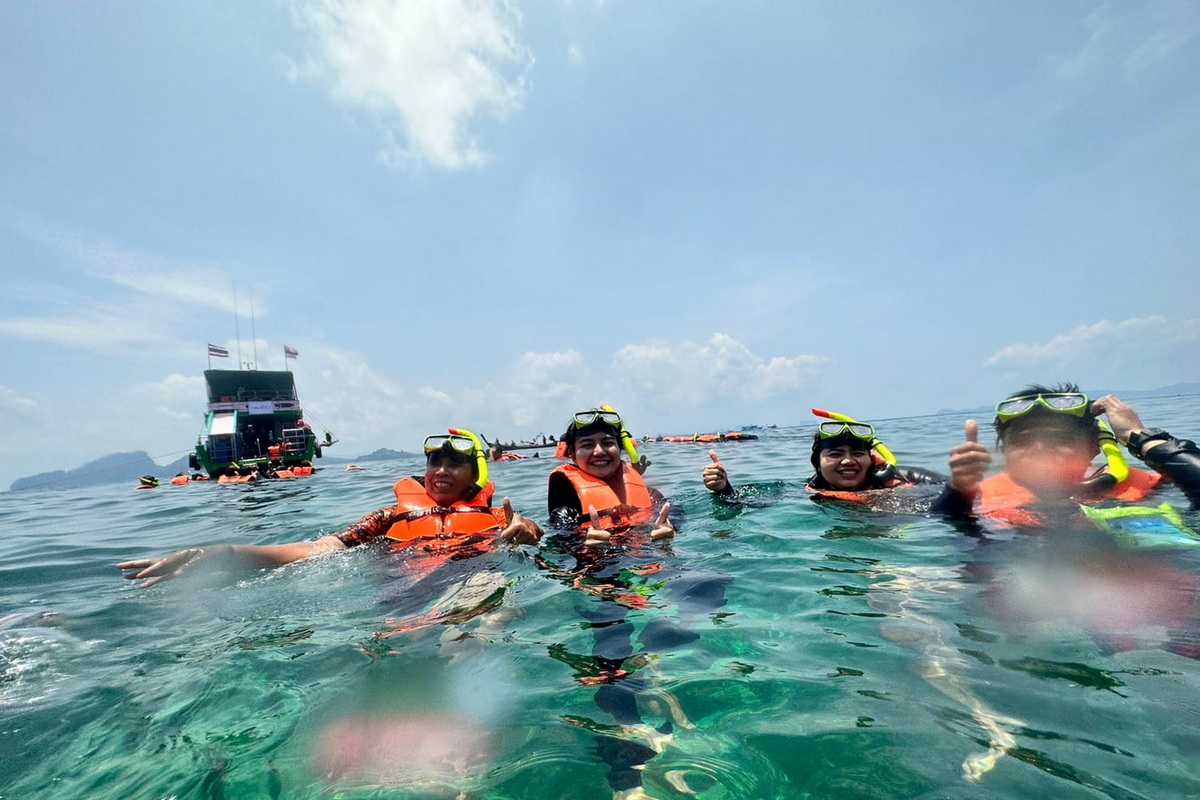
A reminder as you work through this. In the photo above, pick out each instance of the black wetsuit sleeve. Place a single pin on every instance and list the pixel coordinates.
(919, 475)
(954, 505)
(1178, 460)
(729, 495)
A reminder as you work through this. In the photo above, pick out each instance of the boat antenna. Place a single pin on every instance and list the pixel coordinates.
(253, 332)
(237, 330)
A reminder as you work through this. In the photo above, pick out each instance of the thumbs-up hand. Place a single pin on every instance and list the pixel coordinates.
(716, 479)
(663, 529)
(596, 536)
(518, 529)
(969, 462)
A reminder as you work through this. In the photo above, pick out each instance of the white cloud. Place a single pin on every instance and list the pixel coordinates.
(96, 329)
(687, 375)
(539, 392)
(424, 69)
(575, 55)
(1112, 344)
(1127, 42)
(15, 405)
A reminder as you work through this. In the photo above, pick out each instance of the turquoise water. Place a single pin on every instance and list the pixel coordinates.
(783, 651)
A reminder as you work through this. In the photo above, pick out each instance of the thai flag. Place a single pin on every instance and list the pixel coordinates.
(289, 352)
(217, 351)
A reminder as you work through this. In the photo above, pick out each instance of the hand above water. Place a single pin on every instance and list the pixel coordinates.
(1121, 418)
(969, 462)
(663, 527)
(518, 529)
(716, 478)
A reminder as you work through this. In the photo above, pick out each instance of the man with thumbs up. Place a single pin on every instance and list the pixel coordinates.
(1049, 437)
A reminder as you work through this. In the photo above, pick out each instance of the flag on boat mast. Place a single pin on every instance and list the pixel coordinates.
(216, 351)
(290, 352)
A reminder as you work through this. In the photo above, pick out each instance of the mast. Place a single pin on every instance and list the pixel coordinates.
(237, 331)
(253, 332)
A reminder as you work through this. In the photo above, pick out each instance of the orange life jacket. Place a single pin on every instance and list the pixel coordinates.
(864, 496)
(1003, 499)
(179, 480)
(455, 524)
(594, 492)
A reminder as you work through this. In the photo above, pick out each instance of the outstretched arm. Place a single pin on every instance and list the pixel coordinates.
(238, 556)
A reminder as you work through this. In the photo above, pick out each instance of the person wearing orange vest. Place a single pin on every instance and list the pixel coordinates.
(447, 512)
(599, 493)
(849, 465)
(1049, 437)
(612, 519)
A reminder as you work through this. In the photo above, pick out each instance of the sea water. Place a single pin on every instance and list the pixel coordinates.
(835, 653)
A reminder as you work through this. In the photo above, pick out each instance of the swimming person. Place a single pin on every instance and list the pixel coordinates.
(447, 512)
(1049, 437)
(610, 523)
(850, 464)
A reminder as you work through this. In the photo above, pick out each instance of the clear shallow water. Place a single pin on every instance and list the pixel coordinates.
(850, 655)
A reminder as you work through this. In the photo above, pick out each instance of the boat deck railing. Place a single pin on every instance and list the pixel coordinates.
(244, 405)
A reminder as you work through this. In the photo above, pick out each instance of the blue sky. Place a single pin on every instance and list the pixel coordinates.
(490, 215)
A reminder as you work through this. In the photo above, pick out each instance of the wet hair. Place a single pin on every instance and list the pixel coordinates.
(572, 433)
(1087, 425)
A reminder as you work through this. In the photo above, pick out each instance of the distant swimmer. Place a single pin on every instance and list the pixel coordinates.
(353, 468)
(147, 482)
(1049, 437)
(447, 513)
(851, 464)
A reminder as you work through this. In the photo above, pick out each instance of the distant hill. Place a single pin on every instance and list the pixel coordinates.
(382, 454)
(116, 468)
(128, 467)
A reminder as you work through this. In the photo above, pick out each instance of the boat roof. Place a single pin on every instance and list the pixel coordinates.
(235, 385)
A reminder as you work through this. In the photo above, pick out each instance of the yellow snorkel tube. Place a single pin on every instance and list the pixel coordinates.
(1118, 467)
(480, 455)
(876, 445)
(626, 436)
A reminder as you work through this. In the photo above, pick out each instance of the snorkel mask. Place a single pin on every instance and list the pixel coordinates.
(840, 425)
(463, 443)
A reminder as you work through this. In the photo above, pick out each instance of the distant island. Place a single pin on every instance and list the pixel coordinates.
(128, 467)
